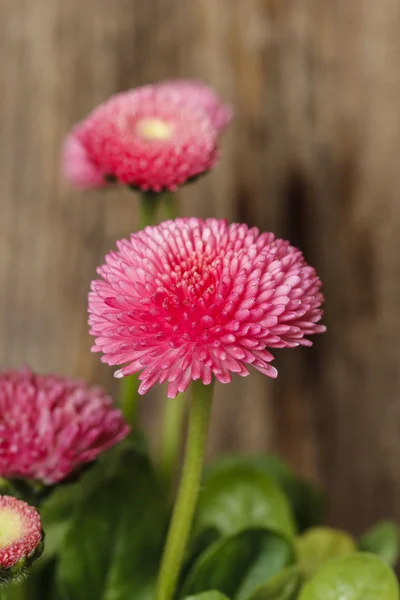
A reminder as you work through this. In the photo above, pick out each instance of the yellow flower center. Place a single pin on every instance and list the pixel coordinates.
(11, 527)
(154, 129)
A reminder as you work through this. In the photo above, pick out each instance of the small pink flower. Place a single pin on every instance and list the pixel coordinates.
(20, 532)
(198, 94)
(153, 138)
(77, 166)
(190, 299)
(50, 425)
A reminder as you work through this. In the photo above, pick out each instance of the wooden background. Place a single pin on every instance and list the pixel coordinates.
(313, 155)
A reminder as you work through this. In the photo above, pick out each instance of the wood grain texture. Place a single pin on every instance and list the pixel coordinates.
(312, 155)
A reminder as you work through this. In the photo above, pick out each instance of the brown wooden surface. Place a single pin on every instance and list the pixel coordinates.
(313, 155)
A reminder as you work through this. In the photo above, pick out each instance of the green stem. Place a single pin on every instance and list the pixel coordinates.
(149, 203)
(129, 398)
(199, 417)
(170, 205)
(15, 590)
(174, 412)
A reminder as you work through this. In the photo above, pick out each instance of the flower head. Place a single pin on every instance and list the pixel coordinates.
(77, 166)
(50, 425)
(198, 94)
(20, 536)
(189, 299)
(153, 138)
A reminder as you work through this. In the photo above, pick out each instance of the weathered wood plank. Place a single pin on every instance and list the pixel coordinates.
(312, 155)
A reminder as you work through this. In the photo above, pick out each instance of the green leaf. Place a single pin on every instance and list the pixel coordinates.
(384, 540)
(41, 582)
(320, 544)
(357, 576)
(211, 595)
(237, 565)
(307, 501)
(282, 586)
(236, 497)
(109, 463)
(58, 507)
(55, 512)
(113, 545)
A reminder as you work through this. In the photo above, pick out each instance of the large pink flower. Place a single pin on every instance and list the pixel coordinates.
(190, 299)
(20, 533)
(153, 138)
(50, 425)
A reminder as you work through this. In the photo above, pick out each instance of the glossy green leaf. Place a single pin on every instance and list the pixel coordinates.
(356, 576)
(283, 586)
(59, 506)
(55, 513)
(113, 545)
(236, 497)
(41, 583)
(239, 564)
(307, 501)
(384, 540)
(319, 544)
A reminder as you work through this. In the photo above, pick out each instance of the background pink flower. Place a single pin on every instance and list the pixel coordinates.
(52, 425)
(77, 166)
(155, 137)
(190, 299)
(20, 531)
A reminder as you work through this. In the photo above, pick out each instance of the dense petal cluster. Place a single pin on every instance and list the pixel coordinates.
(20, 531)
(154, 138)
(51, 425)
(189, 299)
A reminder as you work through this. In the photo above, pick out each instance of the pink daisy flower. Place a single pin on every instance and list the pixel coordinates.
(77, 166)
(201, 95)
(150, 138)
(20, 536)
(50, 425)
(189, 299)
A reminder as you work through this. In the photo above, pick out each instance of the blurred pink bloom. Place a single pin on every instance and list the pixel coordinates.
(201, 95)
(52, 425)
(20, 531)
(77, 166)
(153, 138)
(190, 299)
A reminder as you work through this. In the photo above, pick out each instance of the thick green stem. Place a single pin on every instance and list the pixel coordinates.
(129, 398)
(170, 205)
(149, 203)
(182, 517)
(174, 413)
(174, 410)
(15, 591)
